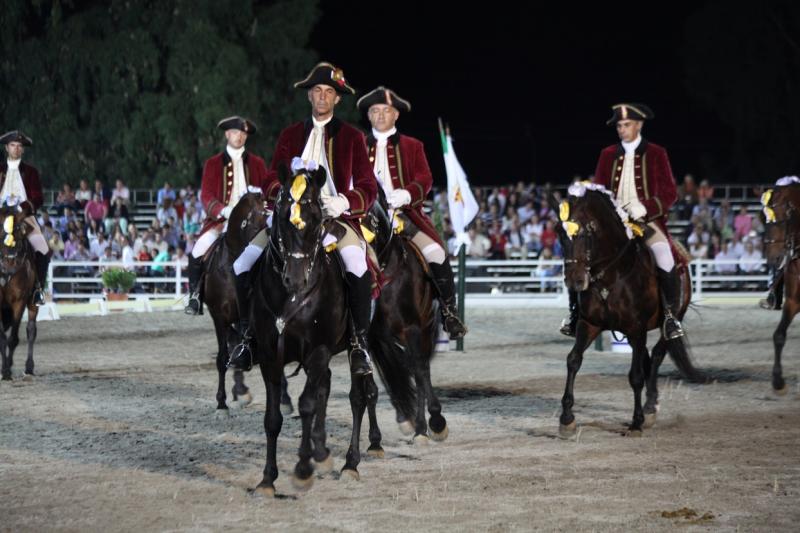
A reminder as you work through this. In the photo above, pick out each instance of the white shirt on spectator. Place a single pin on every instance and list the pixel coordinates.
(726, 268)
(750, 262)
(97, 249)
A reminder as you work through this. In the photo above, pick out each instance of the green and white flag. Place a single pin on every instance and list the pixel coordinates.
(462, 204)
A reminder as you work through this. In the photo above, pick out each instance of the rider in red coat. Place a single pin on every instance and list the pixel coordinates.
(402, 170)
(347, 196)
(19, 182)
(226, 178)
(638, 174)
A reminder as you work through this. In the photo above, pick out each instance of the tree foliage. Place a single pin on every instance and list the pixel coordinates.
(133, 89)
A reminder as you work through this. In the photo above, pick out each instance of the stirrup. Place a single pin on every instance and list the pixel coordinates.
(194, 307)
(567, 327)
(38, 297)
(241, 357)
(675, 328)
(452, 324)
(769, 303)
(360, 364)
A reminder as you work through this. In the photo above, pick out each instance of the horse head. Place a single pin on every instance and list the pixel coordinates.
(298, 223)
(13, 232)
(781, 207)
(593, 229)
(248, 217)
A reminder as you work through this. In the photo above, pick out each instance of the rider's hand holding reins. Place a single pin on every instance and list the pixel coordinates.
(334, 206)
(398, 198)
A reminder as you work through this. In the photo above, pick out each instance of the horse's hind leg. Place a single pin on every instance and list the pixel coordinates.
(414, 340)
(790, 308)
(30, 330)
(7, 355)
(636, 378)
(241, 394)
(585, 334)
(437, 422)
(358, 403)
(286, 400)
(651, 375)
(322, 455)
(222, 366)
(273, 421)
(375, 449)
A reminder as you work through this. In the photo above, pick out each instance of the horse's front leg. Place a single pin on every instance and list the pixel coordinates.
(30, 331)
(241, 393)
(790, 309)
(651, 375)
(638, 342)
(273, 421)
(222, 367)
(358, 403)
(375, 449)
(322, 455)
(316, 365)
(584, 335)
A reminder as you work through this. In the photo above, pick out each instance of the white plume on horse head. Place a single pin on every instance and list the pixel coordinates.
(578, 190)
(787, 180)
(299, 163)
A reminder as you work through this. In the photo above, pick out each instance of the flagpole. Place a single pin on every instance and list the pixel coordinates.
(462, 278)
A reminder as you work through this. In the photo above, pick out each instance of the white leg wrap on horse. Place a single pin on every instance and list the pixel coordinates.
(204, 243)
(38, 243)
(433, 253)
(663, 255)
(247, 259)
(354, 259)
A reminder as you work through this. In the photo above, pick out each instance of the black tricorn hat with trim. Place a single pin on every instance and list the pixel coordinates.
(16, 136)
(237, 123)
(326, 74)
(383, 95)
(627, 111)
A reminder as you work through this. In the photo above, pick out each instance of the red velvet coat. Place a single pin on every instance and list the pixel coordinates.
(347, 159)
(31, 182)
(410, 171)
(217, 185)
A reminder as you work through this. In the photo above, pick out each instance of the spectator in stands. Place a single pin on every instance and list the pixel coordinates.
(750, 261)
(166, 211)
(158, 244)
(65, 198)
(98, 245)
(63, 220)
(479, 244)
(508, 216)
(726, 254)
(117, 216)
(549, 236)
(107, 257)
(128, 257)
(70, 246)
(136, 238)
(191, 220)
(698, 235)
(705, 192)
(122, 192)
(548, 270)
(533, 233)
(701, 213)
(164, 193)
(497, 248)
(737, 247)
(81, 253)
(516, 243)
(743, 222)
(56, 244)
(95, 210)
(526, 212)
(171, 233)
(698, 249)
(513, 201)
(723, 220)
(102, 192)
(83, 194)
(181, 258)
(92, 230)
(189, 244)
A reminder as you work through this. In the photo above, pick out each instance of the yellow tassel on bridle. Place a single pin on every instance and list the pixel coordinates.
(398, 224)
(296, 192)
(8, 227)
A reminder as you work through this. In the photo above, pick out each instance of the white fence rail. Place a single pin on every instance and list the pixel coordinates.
(76, 280)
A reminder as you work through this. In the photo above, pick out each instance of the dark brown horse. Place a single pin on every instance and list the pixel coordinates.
(300, 315)
(17, 282)
(615, 278)
(782, 251)
(219, 294)
(402, 336)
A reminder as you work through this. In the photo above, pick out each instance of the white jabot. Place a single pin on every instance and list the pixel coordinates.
(315, 151)
(13, 185)
(627, 183)
(239, 187)
(381, 163)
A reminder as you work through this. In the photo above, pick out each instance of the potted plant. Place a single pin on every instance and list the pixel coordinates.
(118, 282)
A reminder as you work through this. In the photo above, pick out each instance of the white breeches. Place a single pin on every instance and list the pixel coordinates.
(204, 243)
(35, 236)
(662, 252)
(354, 258)
(431, 251)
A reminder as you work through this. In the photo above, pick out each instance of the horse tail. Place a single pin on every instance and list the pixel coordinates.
(392, 361)
(679, 352)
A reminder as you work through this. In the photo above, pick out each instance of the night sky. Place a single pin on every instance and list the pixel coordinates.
(526, 89)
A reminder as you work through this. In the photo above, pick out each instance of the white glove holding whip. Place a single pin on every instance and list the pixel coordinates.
(398, 198)
(636, 210)
(226, 212)
(334, 206)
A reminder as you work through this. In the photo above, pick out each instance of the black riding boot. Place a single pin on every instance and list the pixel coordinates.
(194, 271)
(241, 357)
(670, 283)
(360, 303)
(443, 280)
(774, 299)
(42, 262)
(569, 324)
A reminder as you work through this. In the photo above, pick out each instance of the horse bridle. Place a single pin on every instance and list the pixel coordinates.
(16, 257)
(587, 232)
(790, 248)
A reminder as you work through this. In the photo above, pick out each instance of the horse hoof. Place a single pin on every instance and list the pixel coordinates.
(302, 484)
(265, 491)
(567, 430)
(782, 391)
(222, 414)
(325, 466)
(377, 453)
(27, 377)
(287, 409)
(635, 433)
(649, 420)
(406, 427)
(421, 440)
(440, 436)
(244, 400)
(6, 377)
(348, 474)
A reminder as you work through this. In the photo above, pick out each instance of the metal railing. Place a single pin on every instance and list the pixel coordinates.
(83, 279)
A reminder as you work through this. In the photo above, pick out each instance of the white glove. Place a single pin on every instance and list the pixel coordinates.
(333, 206)
(637, 211)
(226, 212)
(398, 198)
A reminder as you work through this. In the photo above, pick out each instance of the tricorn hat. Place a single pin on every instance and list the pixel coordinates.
(626, 111)
(237, 123)
(16, 136)
(383, 95)
(326, 74)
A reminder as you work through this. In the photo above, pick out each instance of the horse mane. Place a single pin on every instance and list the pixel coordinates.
(600, 198)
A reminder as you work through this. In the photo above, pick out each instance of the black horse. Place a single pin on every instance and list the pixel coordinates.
(218, 292)
(615, 278)
(782, 250)
(402, 336)
(299, 314)
(17, 283)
